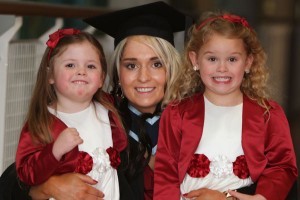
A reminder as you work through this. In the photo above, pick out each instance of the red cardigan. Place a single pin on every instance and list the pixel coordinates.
(266, 142)
(39, 158)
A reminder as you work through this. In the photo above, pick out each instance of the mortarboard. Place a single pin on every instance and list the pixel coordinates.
(156, 19)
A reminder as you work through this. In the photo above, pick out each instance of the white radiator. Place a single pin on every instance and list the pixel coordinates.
(19, 61)
(23, 60)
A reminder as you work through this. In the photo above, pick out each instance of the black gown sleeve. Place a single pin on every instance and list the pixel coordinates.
(11, 188)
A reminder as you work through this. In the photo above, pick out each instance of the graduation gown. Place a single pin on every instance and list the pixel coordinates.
(10, 187)
(141, 185)
(266, 142)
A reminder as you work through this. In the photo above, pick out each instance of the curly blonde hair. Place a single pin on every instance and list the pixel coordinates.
(254, 83)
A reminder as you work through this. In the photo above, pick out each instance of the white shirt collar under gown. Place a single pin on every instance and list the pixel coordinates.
(94, 128)
(221, 143)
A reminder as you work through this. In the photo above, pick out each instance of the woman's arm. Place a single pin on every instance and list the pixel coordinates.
(247, 197)
(69, 186)
(209, 194)
(206, 194)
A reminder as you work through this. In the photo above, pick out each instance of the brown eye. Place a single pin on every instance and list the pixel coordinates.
(130, 66)
(157, 64)
(91, 66)
(70, 65)
(232, 59)
(212, 59)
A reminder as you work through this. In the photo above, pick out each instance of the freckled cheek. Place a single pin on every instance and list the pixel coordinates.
(98, 81)
(204, 75)
(61, 80)
(61, 84)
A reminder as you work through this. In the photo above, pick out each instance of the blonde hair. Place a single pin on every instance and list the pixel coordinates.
(164, 50)
(39, 119)
(254, 84)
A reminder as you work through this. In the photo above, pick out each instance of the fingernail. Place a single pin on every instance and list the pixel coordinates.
(95, 181)
(185, 194)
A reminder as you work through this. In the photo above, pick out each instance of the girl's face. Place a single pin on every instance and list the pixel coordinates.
(77, 75)
(142, 76)
(222, 63)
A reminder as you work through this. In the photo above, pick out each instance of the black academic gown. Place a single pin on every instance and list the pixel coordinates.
(10, 187)
(134, 188)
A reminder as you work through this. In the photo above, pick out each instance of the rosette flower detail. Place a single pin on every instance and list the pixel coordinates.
(114, 157)
(84, 163)
(199, 166)
(240, 167)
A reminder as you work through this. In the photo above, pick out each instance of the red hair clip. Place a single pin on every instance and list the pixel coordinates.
(56, 36)
(228, 17)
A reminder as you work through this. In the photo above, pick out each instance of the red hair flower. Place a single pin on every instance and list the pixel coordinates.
(56, 36)
(236, 19)
(84, 163)
(228, 17)
(240, 167)
(199, 166)
(114, 157)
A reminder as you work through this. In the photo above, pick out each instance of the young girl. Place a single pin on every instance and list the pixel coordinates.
(229, 135)
(71, 125)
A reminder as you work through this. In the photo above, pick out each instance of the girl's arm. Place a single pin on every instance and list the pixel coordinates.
(281, 171)
(33, 158)
(34, 163)
(166, 184)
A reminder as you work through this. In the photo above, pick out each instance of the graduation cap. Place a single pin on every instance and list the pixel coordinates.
(156, 19)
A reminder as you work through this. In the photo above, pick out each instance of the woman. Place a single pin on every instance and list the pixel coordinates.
(144, 74)
(145, 63)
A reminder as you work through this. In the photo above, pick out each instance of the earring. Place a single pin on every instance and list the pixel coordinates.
(119, 92)
(247, 71)
(195, 68)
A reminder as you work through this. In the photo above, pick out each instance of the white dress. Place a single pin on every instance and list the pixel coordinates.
(221, 145)
(94, 128)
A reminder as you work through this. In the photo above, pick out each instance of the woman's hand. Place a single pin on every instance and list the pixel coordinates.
(70, 186)
(241, 196)
(205, 194)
